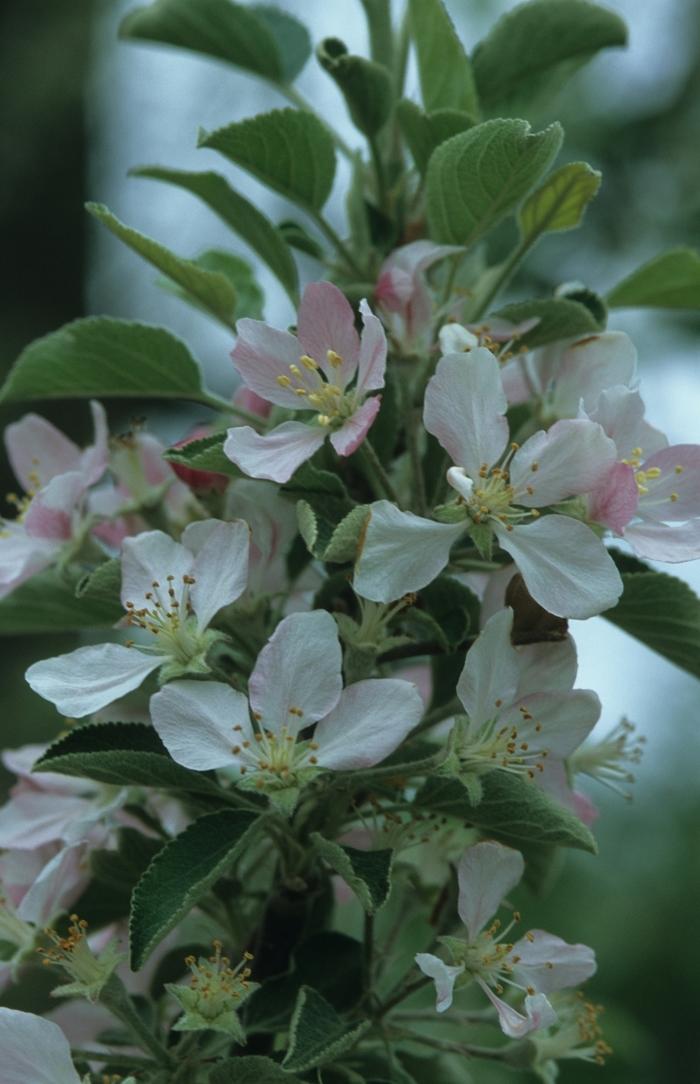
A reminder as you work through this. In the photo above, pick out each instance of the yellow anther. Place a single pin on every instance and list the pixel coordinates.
(674, 497)
(678, 469)
(284, 381)
(300, 391)
(308, 362)
(334, 359)
(295, 369)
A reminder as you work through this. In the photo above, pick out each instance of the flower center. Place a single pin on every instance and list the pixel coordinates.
(610, 759)
(275, 758)
(310, 384)
(493, 746)
(169, 616)
(491, 495)
(216, 986)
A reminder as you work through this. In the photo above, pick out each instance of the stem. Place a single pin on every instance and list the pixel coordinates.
(502, 278)
(405, 992)
(413, 431)
(338, 244)
(381, 38)
(379, 171)
(403, 41)
(115, 998)
(217, 402)
(297, 98)
(368, 953)
(437, 715)
(410, 768)
(490, 1053)
(125, 1061)
(374, 472)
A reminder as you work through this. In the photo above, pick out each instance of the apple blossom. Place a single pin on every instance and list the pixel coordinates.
(537, 964)
(171, 590)
(311, 372)
(501, 488)
(296, 683)
(523, 715)
(34, 1050)
(55, 475)
(402, 293)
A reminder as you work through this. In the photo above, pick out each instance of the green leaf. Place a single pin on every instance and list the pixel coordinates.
(559, 318)
(122, 754)
(317, 1034)
(120, 869)
(181, 873)
(533, 49)
(446, 77)
(238, 213)
(477, 178)
(509, 805)
(559, 203)
(250, 1070)
(238, 272)
(366, 872)
(345, 539)
(102, 356)
(669, 281)
(453, 608)
(261, 40)
(210, 290)
(297, 237)
(48, 602)
(206, 453)
(664, 613)
(104, 583)
(323, 503)
(424, 132)
(288, 150)
(367, 87)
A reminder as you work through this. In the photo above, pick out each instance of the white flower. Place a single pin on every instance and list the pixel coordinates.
(296, 683)
(171, 590)
(537, 964)
(33, 1050)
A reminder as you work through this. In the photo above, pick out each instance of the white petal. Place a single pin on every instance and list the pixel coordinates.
(57, 887)
(38, 451)
(34, 818)
(659, 542)
(547, 963)
(34, 1050)
(401, 552)
(296, 679)
(261, 355)
(373, 348)
(550, 667)
(201, 722)
(620, 411)
(489, 679)
(149, 558)
(564, 719)
(442, 974)
(588, 366)
(464, 408)
(565, 567)
(486, 873)
(456, 339)
(90, 678)
(275, 455)
(570, 458)
(539, 1013)
(220, 566)
(371, 719)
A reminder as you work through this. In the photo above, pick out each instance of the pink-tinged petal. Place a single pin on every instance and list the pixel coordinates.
(550, 667)
(23, 555)
(443, 975)
(464, 408)
(547, 963)
(58, 885)
(38, 451)
(613, 501)
(326, 322)
(658, 542)
(95, 459)
(149, 559)
(401, 552)
(248, 400)
(559, 721)
(201, 723)
(276, 455)
(34, 818)
(675, 493)
(91, 677)
(370, 720)
(566, 568)
(34, 1050)
(296, 679)
(486, 873)
(554, 781)
(538, 1013)
(490, 676)
(263, 353)
(418, 256)
(348, 439)
(220, 568)
(568, 459)
(588, 366)
(620, 411)
(50, 514)
(372, 360)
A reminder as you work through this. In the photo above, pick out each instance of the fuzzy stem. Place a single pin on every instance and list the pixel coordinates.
(374, 472)
(115, 998)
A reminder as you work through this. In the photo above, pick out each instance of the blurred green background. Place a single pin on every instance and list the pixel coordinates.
(634, 116)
